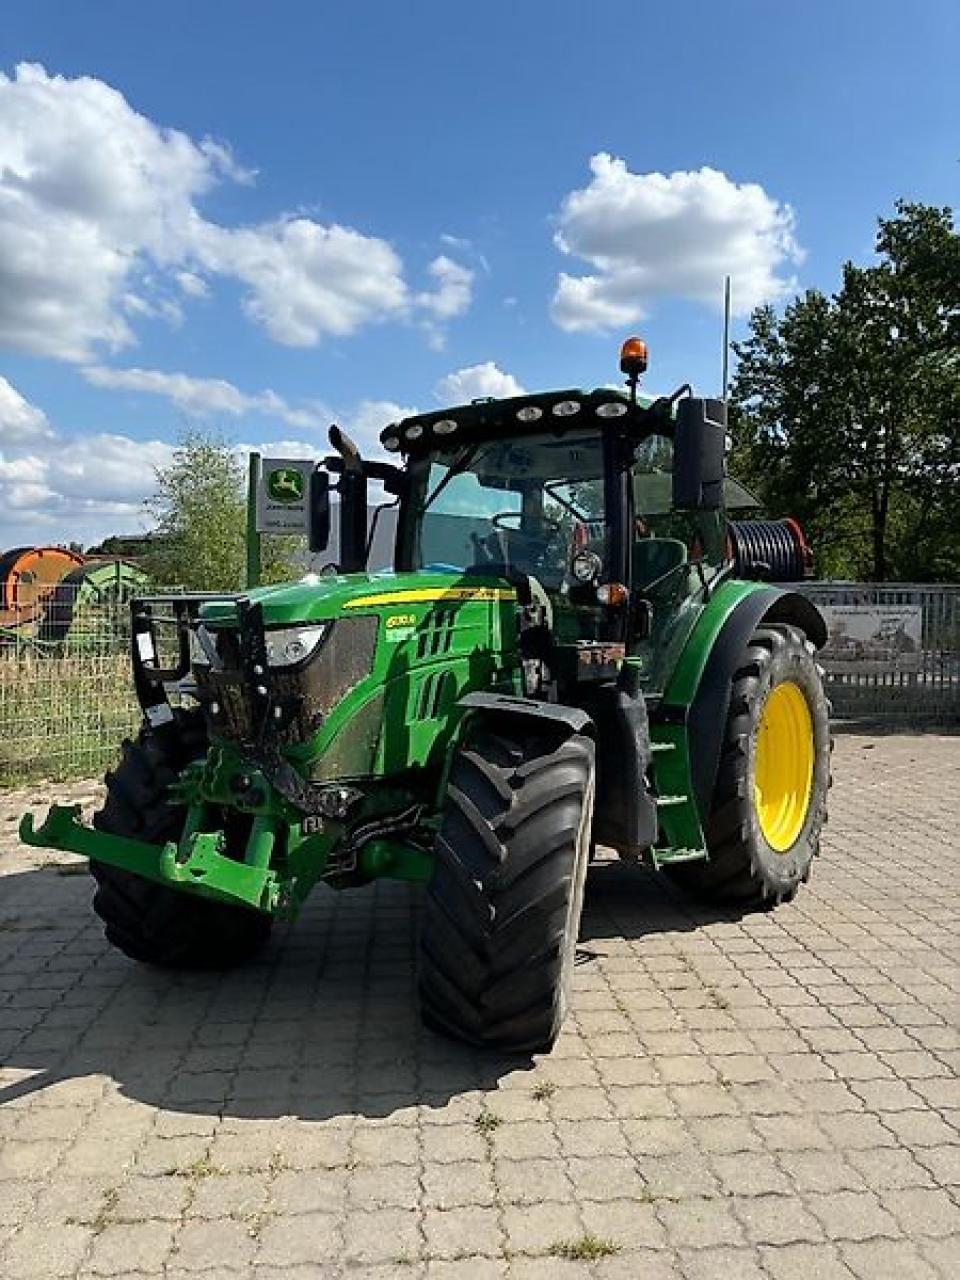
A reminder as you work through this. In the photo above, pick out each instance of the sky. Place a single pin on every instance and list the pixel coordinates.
(260, 219)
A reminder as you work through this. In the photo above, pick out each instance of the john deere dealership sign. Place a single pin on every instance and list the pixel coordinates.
(283, 495)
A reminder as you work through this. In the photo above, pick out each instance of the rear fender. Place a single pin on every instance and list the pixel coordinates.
(699, 690)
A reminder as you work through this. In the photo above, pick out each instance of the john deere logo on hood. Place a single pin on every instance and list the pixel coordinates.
(285, 485)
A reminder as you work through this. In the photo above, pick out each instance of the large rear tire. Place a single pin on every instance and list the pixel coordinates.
(145, 920)
(503, 906)
(770, 796)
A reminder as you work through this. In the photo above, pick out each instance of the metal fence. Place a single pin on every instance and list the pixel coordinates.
(893, 655)
(66, 696)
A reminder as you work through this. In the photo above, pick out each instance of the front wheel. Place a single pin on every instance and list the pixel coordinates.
(770, 797)
(503, 906)
(147, 921)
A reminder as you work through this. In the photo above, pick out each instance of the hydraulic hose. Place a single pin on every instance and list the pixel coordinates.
(769, 550)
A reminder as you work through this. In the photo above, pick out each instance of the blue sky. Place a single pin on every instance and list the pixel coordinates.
(359, 206)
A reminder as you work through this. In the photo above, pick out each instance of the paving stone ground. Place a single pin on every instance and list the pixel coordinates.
(772, 1096)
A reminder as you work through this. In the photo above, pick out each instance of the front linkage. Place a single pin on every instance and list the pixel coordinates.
(283, 810)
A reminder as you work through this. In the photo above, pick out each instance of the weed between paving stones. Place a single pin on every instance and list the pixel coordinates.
(588, 1248)
(487, 1121)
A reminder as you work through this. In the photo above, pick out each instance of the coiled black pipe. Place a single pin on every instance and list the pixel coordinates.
(769, 550)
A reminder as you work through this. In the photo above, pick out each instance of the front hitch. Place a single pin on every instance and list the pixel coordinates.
(197, 865)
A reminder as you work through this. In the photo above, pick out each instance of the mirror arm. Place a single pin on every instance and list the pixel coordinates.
(393, 479)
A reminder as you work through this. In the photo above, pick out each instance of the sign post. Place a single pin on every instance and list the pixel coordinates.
(253, 532)
(281, 494)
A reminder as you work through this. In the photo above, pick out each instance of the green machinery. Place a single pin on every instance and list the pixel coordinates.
(562, 657)
(54, 601)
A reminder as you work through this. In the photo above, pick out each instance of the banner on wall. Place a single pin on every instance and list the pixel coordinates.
(873, 637)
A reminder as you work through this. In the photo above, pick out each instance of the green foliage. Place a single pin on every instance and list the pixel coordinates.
(199, 513)
(845, 408)
(586, 1248)
(487, 1121)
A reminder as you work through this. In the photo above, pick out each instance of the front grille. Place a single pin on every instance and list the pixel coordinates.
(305, 693)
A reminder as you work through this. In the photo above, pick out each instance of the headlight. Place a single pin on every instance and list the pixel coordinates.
(290, 645)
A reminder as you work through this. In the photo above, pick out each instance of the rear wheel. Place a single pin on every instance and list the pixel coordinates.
(503, 906)
(770, 797)
(145, 920)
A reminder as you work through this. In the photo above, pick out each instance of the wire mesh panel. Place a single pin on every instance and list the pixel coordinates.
(66, 692)
(893, 653)
(63, 717)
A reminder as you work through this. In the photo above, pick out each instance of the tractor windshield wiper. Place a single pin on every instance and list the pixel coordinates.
(577, 514)
(460, 464)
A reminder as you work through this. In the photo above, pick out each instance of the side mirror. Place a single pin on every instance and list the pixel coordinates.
(319, 509)
(698, 449)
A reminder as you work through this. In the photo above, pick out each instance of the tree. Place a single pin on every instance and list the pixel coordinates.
(846, 408)
(199, 515)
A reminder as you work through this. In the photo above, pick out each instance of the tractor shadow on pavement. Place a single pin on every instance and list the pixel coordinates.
(629, 902)
(324, 1024)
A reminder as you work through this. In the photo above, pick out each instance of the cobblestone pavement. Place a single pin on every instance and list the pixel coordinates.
(770, 1096)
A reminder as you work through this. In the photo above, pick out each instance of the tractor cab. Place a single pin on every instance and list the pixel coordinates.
(603, 509)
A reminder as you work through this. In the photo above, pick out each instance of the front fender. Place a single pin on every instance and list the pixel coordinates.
(565, 720)
(561, 720)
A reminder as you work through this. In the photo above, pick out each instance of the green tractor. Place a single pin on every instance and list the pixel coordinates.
(563, 657)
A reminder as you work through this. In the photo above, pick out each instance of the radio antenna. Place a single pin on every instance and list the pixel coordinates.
(726, 338)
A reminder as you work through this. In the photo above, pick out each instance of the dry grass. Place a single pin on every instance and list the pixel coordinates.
(62, 717)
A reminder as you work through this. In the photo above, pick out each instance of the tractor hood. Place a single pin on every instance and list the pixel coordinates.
(319, 598)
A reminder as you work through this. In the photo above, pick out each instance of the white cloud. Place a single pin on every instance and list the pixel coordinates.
(105, 468)
(201, 396)
(89, 190)
(475, 382)
(99, 216)
(454, 288)
(193, 285)
(649, 235)
(451, 297)
(77, 488)
(20, 421)
(52, 484)
(307, 281)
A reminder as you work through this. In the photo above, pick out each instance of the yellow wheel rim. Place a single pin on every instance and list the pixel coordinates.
(783, 767)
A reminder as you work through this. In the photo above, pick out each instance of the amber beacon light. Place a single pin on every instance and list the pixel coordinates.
(633, 357)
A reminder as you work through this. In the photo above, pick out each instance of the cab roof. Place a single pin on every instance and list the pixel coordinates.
(482, 419)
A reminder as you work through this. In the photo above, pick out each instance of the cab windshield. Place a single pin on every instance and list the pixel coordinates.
(526, 505)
